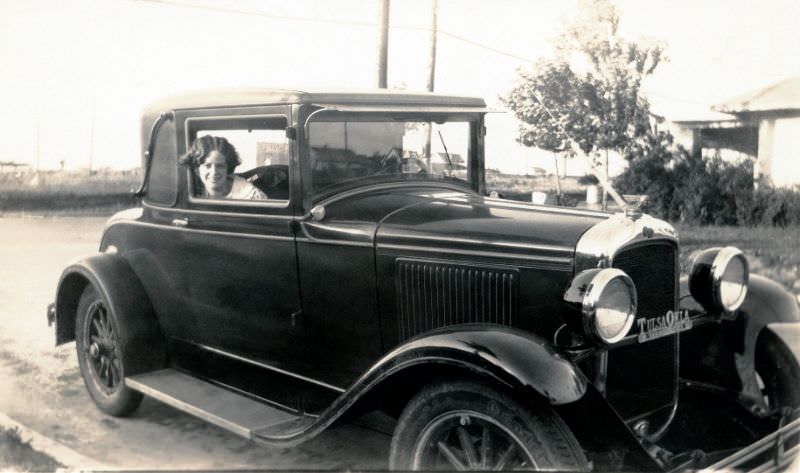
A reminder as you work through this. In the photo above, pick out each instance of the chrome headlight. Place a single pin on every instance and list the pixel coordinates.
(719, 278)
(607, 299)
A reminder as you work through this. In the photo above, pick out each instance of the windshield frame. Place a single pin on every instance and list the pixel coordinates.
(473, 160)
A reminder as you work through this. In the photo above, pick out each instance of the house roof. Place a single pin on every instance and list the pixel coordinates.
(784, 95)
(681, 111)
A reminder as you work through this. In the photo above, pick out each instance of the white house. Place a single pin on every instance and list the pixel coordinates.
(775, 112)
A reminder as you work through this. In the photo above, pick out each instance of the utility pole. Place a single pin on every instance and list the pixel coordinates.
(432, 56)
(431, 73)
(91, 135)
(383, 43)
(605, 185)
(38, 142)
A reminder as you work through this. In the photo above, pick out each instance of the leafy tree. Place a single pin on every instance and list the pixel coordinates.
(588, 92)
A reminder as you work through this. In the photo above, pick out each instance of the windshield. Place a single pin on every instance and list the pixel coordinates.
(355, 151)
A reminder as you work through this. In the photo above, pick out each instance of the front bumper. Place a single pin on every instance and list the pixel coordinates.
(774, 452)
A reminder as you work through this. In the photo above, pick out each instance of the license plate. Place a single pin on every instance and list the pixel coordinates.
(667, 324)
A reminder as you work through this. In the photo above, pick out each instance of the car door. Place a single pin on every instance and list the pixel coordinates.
(238, 275)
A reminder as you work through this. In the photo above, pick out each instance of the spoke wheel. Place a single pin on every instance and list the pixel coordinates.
(102, 354)
(469, 440)
(466, 425)
(101, 343)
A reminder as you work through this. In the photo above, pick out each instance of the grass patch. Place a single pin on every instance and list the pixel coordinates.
(36, 201)
(102, 191)
(17, 455)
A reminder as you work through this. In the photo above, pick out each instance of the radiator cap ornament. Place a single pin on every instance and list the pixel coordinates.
(636, 203)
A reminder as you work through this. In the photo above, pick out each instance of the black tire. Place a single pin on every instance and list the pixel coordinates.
(100, 341)
(473, 426)
(778, 371)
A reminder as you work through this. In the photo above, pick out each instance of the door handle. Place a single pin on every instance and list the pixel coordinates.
(180, 222)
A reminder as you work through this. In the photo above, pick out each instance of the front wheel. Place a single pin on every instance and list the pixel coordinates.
(471, 426)
(777, 372)
(100, 343)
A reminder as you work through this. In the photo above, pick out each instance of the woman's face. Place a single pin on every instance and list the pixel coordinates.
(214, 173)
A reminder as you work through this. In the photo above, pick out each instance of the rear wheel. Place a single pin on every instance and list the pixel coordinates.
(100, 343)
(471, 426)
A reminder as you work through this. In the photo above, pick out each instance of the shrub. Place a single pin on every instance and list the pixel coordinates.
(771, 207)
(711, 191)
(701, 191)
(588, 180)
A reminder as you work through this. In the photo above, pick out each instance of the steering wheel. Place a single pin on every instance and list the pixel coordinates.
(391, 161)
(410, 163)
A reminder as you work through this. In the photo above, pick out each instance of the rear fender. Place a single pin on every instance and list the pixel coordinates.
(114, 279)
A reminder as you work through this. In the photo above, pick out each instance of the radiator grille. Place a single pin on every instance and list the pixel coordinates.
(642, 377)
(432, 295)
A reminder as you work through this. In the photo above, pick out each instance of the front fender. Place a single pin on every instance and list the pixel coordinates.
(767, 302)
(519, 360)
(516, 358)
(777, 360)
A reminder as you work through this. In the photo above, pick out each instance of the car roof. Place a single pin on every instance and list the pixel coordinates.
(256, 96)
(233, 97)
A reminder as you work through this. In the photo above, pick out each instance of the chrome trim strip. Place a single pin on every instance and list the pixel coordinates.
(469, 241)
(269, 203)
(269, 367)
(411, 109)
(394, 185)
(490, 254)
(236, 116)
(220, 213)
(310, 115)
(197, 230)
(333, 242)
(514, 204)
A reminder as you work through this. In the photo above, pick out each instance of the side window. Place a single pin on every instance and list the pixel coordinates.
(162, 187)
(239, 159)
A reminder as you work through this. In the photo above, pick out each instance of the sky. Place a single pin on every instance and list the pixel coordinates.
(75, 74)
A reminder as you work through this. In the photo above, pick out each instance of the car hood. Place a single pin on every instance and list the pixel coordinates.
(472, 224)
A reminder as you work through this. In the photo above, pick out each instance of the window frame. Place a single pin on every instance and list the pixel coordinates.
(473, 120)
(190, 131)
(170, 134)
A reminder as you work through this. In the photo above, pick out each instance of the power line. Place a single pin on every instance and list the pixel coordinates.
(337, 22)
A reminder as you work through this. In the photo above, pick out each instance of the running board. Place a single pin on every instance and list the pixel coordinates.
(216, 405)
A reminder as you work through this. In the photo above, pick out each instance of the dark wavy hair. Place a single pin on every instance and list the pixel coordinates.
(203, 145)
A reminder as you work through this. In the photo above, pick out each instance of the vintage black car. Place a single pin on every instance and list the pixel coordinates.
(374, 273)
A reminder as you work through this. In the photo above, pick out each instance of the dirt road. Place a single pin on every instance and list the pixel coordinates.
(43, 390)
